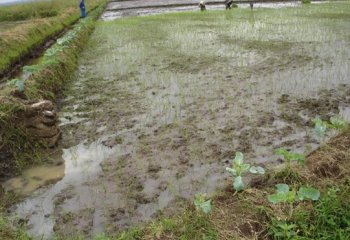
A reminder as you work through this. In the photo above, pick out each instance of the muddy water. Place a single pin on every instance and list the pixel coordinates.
(160, 105)
(81, 166)
(34, 178)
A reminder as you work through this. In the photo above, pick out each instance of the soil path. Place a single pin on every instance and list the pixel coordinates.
(159, 107)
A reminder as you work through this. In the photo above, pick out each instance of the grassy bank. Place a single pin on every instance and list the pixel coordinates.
(41, 9)
(43, 20)
(47, 79)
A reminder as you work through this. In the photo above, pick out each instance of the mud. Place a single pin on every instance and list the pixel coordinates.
(156, 114)
(34, 178)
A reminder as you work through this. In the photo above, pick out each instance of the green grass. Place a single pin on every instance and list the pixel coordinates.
(20, 40)
(42, 9)
(52, 73)
(9, 232)
(329, 218)
(191, 225)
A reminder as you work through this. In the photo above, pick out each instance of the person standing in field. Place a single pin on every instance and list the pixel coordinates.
(82, 9)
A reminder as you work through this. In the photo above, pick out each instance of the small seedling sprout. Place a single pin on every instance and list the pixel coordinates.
(338, 124)
(202, 203)
(284, 194)
(18, 83)
(239, 168)
(290, 156)
(335, 123)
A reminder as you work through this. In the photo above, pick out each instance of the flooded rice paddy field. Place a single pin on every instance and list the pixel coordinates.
(160, 105)
(121, 9)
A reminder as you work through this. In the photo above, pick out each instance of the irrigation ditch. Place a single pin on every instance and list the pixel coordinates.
(28, 107)
(35, 51)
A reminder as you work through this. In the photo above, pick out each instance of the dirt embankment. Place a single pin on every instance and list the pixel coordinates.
(29, 123)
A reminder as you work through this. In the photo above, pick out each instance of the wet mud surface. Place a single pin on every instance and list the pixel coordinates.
(160, 105)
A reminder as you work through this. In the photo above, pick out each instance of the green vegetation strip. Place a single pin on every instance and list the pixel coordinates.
(34, 10)
(17, 42)
(46, 80)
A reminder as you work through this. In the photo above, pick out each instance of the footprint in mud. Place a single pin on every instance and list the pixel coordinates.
(68, 224)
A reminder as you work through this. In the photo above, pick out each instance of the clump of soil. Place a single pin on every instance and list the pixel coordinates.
(302, 111)
(81, 221)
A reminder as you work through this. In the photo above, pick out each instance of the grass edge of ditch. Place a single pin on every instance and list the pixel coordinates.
(46, 83)
(20, 41)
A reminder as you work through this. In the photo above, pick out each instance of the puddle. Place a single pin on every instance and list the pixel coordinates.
(162, 108)
(82, 164)
(34, 178)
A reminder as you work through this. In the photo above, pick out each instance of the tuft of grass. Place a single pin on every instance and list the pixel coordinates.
(191, 225)
(9, 231)
(286, 175)
(326, 219)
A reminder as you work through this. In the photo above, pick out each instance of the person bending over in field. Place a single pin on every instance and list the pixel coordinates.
(228, 4)
(202, 5)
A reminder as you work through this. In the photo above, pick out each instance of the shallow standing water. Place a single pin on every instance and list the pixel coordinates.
(160, 105)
